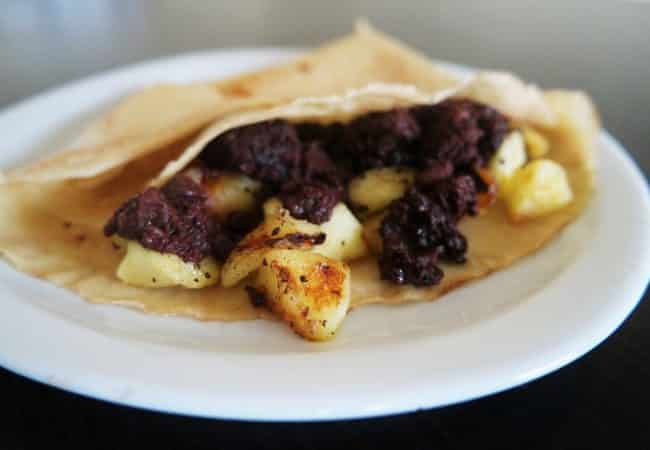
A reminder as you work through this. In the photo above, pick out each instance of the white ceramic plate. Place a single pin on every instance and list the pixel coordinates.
(499, 332)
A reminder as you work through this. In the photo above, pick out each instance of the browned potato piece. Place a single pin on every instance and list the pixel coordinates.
(279, 230)
(309, 291)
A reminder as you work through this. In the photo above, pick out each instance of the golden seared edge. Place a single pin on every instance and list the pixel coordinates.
(338, 238)
(307, 290)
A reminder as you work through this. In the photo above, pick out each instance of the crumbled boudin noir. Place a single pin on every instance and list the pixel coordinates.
(382, 139)
(316, 190)
(420, 229)
(175, 220)
(266, 151)
(170, 220)
(463, 132)
(312, 201)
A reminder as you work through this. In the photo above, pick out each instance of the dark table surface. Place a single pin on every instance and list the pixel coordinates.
(599, 401)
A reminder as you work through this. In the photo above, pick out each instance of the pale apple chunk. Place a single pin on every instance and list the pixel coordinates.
(231, 192)
(509, 157)
(343, 236)
(307, 290)
(148, 268)
(371, 227)
(376, 188)
(537, 189)
(278, 230)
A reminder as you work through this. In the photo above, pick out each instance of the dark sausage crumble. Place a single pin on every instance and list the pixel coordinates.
(170, 220)
(382, 139)
(307, 167)
(420, 229)
(317, 187)
(175, 220)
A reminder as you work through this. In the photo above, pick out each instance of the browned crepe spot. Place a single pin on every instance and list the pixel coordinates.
(304, 67)
(236, 90)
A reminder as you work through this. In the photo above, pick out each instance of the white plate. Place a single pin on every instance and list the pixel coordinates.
(502, 331)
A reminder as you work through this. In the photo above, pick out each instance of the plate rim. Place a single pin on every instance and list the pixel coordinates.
(403, 399)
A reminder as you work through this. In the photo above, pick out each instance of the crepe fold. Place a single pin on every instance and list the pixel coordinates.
(161, 115)
(54, 210)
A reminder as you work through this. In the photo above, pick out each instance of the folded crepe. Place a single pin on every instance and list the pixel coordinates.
(55, 209)
(159, 116)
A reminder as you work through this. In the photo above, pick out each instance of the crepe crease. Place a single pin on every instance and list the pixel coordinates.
(54, 210)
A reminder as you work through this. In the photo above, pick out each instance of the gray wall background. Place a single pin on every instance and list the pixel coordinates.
(601, 47)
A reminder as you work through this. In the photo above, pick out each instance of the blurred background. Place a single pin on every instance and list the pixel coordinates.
(601, 47)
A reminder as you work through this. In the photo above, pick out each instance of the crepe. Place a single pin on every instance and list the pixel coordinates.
(54, 215)
(159, 116)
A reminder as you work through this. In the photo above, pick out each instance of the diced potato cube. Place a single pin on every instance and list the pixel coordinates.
(278, 230)
(509, 157)
(371, 227)
(537, 145)
(537, 189)
(232, 192)
(148, 268)
(377, 188)
(343, 236)
(338, 238)
(307, 290)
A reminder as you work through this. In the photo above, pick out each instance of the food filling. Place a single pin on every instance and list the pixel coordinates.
(409, 175)
(176, 220)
